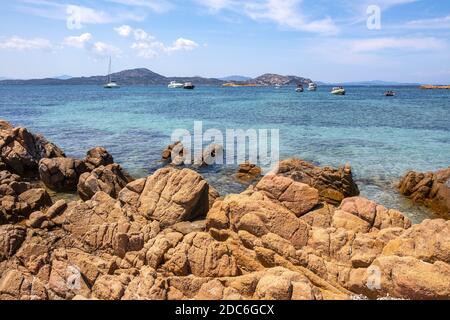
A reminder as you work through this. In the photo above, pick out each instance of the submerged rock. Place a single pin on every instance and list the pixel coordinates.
(170, 236)
(431, 189)
(248, 172)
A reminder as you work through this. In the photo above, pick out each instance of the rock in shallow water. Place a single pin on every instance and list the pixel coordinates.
(21, 151)
(276, 240)
(333, 184)
(431, 189)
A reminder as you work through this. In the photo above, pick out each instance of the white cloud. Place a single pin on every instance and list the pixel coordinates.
(140, 34)
(146, 50)
(18, 43)
(436, 23)
(82, 15)
(158, 6)
(182, 44)
(147, 47)
(84, 41)
(124, 31)
(372, 51)
(78, 41)
(77, 16)
(286, 13)
(379, 44)
(104, 49)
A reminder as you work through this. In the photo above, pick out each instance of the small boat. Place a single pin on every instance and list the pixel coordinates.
(188, 86)
(111, 84)
(277, 86)
(299, 88)
(340, 91)
(389, 93)
(312, 87)
(175, 85)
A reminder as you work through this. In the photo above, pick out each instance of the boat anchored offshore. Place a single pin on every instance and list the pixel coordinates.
(312, 87)
(111, 84)
(189, 86)
(340, 91)
(299, 88)
(175, 85)
(389, 93)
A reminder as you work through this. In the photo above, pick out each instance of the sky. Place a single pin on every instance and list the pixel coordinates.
(331, 41)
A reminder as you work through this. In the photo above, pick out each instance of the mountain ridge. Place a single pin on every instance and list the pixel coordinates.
(143, 76)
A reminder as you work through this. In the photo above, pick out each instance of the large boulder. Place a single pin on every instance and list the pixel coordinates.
(170, 196)
(333, 184)
(431, 189)
(61, 174)
(21, 150)
(110, 179)
(295, 196)
(19, 199)
(98, 157)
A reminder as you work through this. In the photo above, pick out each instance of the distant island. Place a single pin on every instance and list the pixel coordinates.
(235, 78)
(430, 87)
(371, 83)
(144, 76)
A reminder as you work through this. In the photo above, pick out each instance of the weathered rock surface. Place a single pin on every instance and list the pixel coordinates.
(170, 236)
(110, 179)
(333, 184)
(19, 199)
(167, 153)
(21, 151)
(248, 172)
(98, 157)
(169, 196)
(61, 174)
(431, 189)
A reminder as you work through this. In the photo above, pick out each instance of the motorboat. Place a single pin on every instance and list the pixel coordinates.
(111, 84)
(299, 88)
(189, 86)
(389, 93)
(175, 85)
(312, 86)
(340, 91)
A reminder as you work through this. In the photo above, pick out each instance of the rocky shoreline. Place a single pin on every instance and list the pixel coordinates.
(303, 234)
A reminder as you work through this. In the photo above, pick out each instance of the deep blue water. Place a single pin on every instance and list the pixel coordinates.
(381, 137)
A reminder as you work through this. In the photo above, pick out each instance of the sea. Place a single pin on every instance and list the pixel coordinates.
(381, 137)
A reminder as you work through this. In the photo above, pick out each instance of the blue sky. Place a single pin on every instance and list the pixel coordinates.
(322, 40)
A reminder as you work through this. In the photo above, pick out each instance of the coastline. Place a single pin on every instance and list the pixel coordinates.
(302, 234)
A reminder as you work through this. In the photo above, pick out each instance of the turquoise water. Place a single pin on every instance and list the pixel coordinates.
(381, 137)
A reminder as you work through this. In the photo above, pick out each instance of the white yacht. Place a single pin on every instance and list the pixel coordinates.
(299, 88)
(111, 84)
(340, 91)
(175, 85)
(312, 87)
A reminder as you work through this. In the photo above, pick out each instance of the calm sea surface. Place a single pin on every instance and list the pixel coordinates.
(381, 137)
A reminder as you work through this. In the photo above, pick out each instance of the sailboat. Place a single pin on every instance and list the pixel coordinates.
(111, 84)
